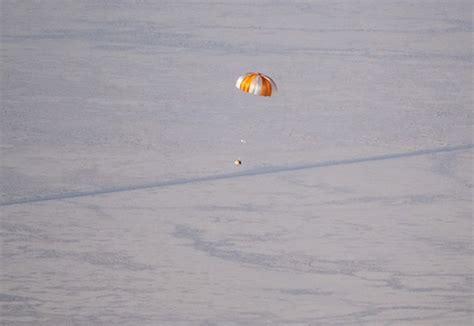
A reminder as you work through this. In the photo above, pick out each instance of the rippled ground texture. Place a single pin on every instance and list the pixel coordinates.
(120, 203)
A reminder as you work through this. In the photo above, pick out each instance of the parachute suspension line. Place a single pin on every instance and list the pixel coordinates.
(255, 83)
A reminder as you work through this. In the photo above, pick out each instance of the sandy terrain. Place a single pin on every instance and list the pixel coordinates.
(120, 203)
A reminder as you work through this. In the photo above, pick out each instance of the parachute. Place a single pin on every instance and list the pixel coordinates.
(257, 84)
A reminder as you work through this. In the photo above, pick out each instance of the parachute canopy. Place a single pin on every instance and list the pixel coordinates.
(257, 84)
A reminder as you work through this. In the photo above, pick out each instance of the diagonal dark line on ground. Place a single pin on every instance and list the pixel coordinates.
(245, 173)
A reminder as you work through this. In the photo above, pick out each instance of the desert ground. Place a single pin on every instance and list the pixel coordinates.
(120, 203)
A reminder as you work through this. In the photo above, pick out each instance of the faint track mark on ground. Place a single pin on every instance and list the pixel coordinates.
(246, 173)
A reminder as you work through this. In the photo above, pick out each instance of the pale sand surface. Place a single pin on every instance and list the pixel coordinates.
(120, 202)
